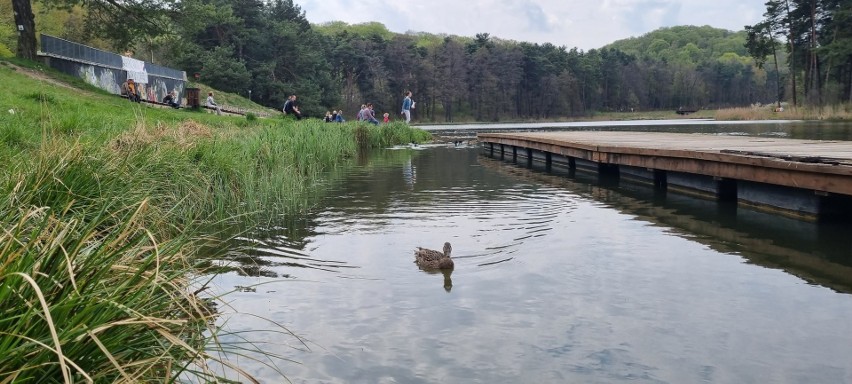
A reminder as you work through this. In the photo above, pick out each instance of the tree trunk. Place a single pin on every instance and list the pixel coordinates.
(777, 73)
(828, 70)
(792, 58)
(815, 87)
(25, 24)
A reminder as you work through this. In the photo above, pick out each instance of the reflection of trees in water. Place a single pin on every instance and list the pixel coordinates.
(266, 249)
(820, 254)
(283, 240)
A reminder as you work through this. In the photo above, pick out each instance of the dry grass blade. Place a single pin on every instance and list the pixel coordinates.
(110, 357)
(66, 373)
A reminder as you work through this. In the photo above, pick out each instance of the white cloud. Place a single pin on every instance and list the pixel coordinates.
(573, 23)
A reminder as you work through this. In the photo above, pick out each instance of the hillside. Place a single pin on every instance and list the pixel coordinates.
(687, 43)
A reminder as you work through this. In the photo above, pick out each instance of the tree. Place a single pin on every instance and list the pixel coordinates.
(122, 22)
(25, 23)
(774, 12)
(760, 43)
(452, 76)
(839, 49)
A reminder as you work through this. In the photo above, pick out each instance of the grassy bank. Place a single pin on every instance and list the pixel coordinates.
(828, 112)
(103, 206)
(838, 112)
(597, 116)
(230, 100)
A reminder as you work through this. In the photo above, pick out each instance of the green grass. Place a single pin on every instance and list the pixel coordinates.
(104, 207)
(232, 100)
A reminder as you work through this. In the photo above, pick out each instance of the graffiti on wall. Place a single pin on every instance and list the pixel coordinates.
(102, 78)
(108, 71)
(110, 80)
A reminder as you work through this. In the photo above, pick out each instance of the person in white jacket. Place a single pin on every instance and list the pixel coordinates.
(212, 103)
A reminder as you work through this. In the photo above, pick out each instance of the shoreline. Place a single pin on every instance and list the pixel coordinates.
(830, 113)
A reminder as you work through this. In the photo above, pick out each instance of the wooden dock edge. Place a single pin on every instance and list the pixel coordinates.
(803, 190)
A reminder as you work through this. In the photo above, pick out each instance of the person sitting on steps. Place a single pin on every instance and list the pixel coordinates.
(212, 103)
(129, 89)
(171, 100)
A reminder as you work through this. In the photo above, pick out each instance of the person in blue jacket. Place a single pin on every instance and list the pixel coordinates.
(407, 104)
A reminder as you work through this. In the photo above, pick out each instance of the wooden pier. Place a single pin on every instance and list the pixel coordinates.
(803, 178)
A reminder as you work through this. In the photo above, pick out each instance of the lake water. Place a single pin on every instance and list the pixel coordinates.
(559, 278)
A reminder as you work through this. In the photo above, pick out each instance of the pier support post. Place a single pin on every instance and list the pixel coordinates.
(835, 208)
(726, 189)
(608, 169)
(660, 179)
(529, 157)
(548, 161)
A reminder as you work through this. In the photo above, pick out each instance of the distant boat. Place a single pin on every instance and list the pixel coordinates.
(682, 111)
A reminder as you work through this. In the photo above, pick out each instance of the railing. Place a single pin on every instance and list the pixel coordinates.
(64, 49)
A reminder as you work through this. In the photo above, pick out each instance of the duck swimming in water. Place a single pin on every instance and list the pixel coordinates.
(428, 258)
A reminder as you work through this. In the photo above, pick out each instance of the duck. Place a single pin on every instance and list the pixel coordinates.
(432, 259)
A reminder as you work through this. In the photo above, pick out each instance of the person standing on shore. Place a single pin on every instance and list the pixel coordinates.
(407, 104)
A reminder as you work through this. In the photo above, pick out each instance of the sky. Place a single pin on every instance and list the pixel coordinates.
(584, 24)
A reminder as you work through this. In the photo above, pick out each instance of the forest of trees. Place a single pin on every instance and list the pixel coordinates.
(270, 48)
(815, 39)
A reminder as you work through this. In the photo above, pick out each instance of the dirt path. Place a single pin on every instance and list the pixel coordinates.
(41, 76)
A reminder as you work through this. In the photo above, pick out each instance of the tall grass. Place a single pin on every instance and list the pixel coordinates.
(104, 205)
(93, 299)
(385, 135)
(827, 112)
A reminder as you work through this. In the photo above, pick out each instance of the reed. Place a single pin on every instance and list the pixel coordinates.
(385, 135)
(826, 112)
(103, 208)
(95, 271)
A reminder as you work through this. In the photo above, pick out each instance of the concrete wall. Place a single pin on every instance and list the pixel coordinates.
(108, 70)
(110, 79)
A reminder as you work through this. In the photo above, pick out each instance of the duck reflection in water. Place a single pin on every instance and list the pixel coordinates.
(433, 261)
(448, 279)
